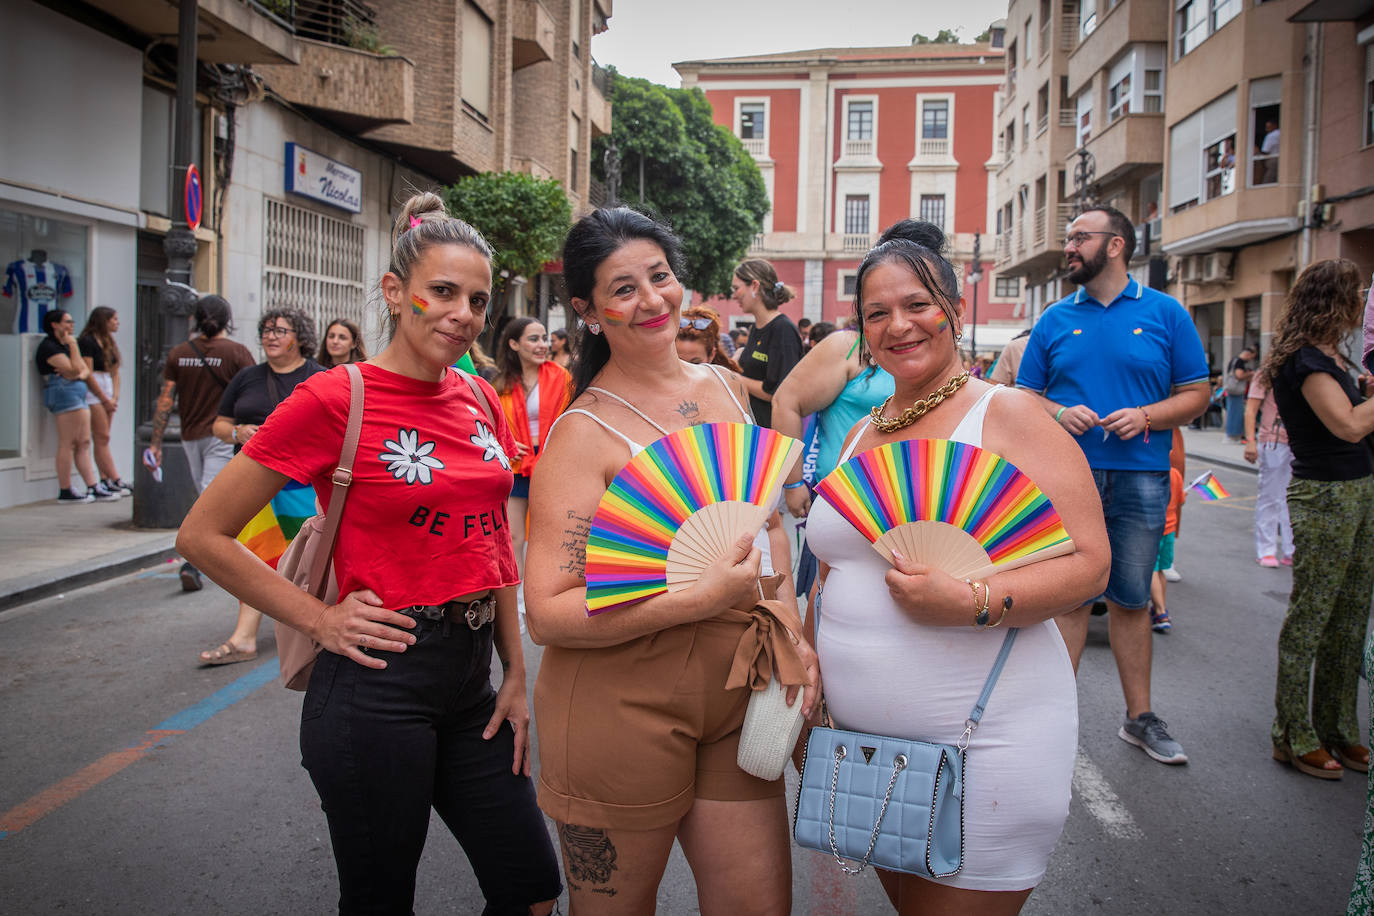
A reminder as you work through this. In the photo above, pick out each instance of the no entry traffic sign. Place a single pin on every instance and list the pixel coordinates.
(193, 197)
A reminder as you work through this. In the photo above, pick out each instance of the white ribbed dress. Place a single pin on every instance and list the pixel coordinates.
(886, 674)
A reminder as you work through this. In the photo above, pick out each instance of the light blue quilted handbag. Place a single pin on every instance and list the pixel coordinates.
(896, 803)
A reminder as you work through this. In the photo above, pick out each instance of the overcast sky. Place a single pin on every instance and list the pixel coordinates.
(647, 36)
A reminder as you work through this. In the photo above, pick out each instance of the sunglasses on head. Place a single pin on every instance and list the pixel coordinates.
(700, 324)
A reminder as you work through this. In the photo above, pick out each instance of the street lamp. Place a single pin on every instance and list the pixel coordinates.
(976, 277)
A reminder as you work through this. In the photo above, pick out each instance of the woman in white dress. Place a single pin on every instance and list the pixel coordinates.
(900, 652)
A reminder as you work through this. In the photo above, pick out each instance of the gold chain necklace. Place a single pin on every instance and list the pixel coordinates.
(917, 410)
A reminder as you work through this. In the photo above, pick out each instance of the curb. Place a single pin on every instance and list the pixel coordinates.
(31, 588)
(1223, 462)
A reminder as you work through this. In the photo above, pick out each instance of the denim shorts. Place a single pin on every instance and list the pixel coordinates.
(61, 395)
(1133, 504)
(521, 488)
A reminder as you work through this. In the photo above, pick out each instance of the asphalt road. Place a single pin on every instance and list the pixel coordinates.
(132, 781)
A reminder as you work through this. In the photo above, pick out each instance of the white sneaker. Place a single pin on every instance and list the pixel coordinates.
(100, 494)
(70, 497)
(1172, 575)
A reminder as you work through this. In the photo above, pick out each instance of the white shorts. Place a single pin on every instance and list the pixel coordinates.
(105, 382)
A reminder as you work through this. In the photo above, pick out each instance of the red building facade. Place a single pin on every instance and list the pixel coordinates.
(851, 140)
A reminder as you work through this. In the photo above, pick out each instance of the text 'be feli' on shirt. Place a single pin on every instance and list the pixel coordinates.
(425, 519)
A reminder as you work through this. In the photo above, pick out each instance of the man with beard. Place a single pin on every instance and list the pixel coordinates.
(1120, 366)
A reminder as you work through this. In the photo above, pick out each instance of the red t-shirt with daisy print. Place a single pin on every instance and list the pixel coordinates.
(425, 519)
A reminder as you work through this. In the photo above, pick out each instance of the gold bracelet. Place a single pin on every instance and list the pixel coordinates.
(980, 615)
(1006, 606)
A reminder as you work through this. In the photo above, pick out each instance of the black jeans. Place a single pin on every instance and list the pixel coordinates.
(382, 747)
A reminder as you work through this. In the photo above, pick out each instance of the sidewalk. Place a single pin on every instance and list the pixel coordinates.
(50, 548)
(1208, 447)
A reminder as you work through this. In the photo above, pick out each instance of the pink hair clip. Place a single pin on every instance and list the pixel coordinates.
(415, 221)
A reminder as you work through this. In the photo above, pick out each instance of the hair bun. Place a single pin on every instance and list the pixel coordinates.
(919, 231)
(416, 209)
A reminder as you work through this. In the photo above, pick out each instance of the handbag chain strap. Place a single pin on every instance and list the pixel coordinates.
(898, 765)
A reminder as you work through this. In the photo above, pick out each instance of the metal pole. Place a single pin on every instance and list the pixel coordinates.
(976, 275)
(164, 505)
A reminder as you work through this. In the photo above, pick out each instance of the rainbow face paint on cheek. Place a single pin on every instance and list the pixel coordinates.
(418, 306)
(941, 323)
(614, 315)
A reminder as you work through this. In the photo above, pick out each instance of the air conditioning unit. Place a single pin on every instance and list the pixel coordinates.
(1216, 267)
(1190, 268)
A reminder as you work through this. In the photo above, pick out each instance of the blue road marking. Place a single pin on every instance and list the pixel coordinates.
(220, 700)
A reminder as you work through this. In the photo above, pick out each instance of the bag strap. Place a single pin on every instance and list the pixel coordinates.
(343, 479)
(976, 714)
(223, 383)
(479, 394)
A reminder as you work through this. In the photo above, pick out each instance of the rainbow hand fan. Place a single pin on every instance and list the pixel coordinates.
(954, 506)
(680, 505)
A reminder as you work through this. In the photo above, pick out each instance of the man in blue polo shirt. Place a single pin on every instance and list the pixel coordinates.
(1120, 366)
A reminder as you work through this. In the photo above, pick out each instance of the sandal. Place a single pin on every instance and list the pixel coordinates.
(1352, 757)
(1316, 763)
(227, 654)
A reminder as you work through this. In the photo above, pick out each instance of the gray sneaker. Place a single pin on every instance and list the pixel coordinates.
(1147, 732)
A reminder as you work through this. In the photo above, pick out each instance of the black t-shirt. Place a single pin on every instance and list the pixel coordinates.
(251, 396)
(769, 355)
(48, 347)
(90, 348)
(1318, 454)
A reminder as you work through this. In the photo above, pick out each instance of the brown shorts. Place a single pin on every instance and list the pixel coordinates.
(630, 735)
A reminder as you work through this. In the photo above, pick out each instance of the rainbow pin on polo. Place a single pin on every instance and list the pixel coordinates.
(680, 505)
(957, 507)
(1208, 487)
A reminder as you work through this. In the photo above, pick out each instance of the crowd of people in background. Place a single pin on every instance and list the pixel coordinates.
(621, 775)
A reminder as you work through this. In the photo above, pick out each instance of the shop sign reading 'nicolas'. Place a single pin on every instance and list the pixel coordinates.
(311, 175)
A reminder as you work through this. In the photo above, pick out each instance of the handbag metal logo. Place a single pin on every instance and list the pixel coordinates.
(868, 753)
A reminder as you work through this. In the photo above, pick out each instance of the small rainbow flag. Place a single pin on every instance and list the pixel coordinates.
(268, 532)
(1208, 487)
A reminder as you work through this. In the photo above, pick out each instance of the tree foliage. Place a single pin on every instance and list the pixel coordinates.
(697, 175)
(943, 37)
(524, 218)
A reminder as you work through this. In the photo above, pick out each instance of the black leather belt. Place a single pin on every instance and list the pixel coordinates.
(476, 613)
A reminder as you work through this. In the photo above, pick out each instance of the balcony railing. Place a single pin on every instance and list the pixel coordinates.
(857, 241)
(601, 79)
(1045, 38)
(1042, 123)
(934, 148)
(1063, 215)
(755, 146)
(1002, 248)
(350, 23)
(1019, 238)
(757, 244)
(1067, 117)
(858, 149)
(1038, 229)
(1068, 31)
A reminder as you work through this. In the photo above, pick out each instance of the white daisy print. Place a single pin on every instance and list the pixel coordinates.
(409, 460)
(486, 440)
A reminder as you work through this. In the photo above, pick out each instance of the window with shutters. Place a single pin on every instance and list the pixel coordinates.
(314, 263)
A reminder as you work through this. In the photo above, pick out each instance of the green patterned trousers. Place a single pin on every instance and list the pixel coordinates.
(1362, 892)
(1328, 610)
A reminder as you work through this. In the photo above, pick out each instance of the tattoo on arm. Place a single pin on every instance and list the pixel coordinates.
(574, 545)
(589, 856)
(165, 400)
(690, 412)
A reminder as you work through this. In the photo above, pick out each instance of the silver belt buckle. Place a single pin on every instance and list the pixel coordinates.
(481, 612)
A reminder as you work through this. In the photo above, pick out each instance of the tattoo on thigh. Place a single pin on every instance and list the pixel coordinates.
(589, 856)
(574, 544)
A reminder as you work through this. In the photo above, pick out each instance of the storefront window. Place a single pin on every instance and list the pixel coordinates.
(45, 268)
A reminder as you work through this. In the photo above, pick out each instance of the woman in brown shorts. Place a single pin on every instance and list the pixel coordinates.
(638, 731)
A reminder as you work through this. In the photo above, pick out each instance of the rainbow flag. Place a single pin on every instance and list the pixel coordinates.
(268, 533)
(1208, 487)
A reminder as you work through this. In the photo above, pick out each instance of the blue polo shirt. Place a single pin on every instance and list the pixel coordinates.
(1132, 352)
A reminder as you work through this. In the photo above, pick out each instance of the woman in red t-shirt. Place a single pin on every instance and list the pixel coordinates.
(400, 715)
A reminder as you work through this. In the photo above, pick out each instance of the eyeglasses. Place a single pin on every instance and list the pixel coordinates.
(700, 324)
(277, 331)
(1076, 239)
